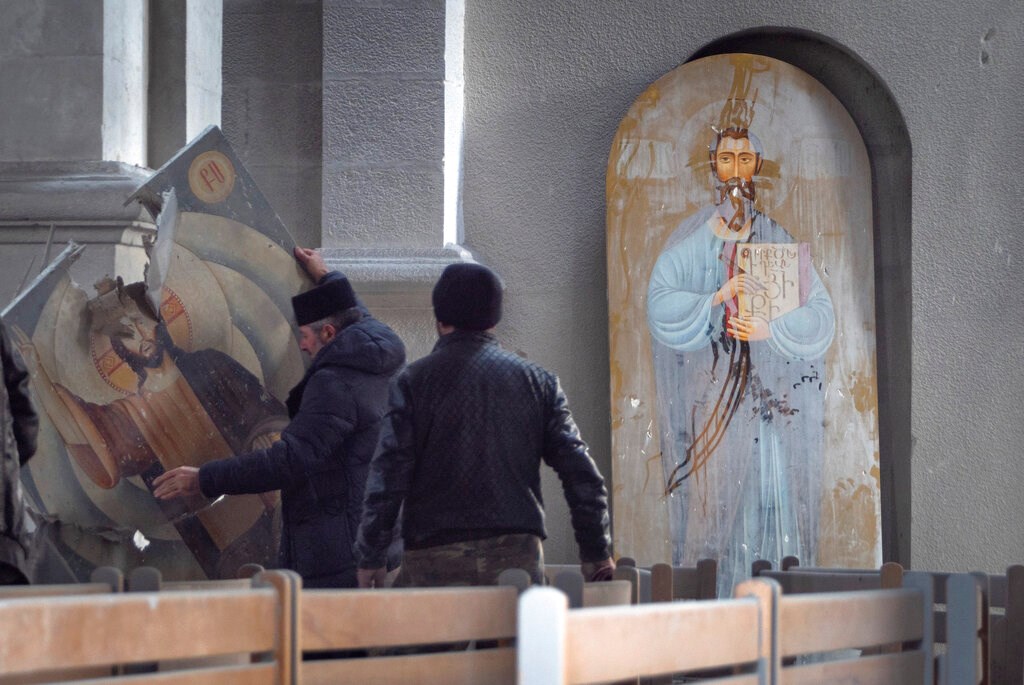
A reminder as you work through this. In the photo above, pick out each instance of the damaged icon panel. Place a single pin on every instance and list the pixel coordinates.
(191, 365)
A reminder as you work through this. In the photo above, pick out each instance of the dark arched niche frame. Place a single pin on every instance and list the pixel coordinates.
(884, 131)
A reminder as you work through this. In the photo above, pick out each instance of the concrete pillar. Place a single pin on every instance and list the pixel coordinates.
(185, 73)
(75, 130)
(74, 74)
(72, 135)
(272, 105)
(389, 142)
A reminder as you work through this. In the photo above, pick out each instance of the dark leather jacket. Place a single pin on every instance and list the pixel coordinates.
(462, 445)
(20, 426)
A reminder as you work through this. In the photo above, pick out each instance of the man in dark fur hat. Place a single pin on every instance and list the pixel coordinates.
(461, 447)
(320, 463)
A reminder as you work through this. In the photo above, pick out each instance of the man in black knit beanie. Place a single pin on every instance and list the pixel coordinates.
(460, 454)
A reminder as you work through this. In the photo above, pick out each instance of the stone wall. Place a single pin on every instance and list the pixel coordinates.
(546, 86)
(272, 104)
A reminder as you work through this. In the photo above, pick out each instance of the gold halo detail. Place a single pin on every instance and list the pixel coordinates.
(114, 371)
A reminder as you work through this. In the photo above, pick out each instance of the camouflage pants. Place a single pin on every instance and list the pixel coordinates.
(474, 562)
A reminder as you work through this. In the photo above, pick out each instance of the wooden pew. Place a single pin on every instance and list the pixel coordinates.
(551, 571)
(150, 579)
(882, 637)
(990, 626)
(670, 583)
(1006, 629)
(964, 659)
(391, 621)
(51, 635)
(560, 647)
(639, 580)
(102, 580)
(665, 583)
(869, 636)
(598, 594)
(796, 579)
(980, 619)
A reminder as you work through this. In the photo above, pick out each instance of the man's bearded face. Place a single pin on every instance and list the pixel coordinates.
(735, 164)
(142, 343)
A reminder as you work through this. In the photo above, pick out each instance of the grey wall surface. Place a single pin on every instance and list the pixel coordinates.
(383, 122)
(51, 56)
(271, 109)
(546, 87)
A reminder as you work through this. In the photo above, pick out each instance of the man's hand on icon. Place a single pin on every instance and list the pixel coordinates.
(312, 261)
(180, 482)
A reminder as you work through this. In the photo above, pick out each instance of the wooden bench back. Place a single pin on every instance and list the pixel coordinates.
(150, 579)
(388, 622)
(978, 625)
(639, 580)
(670, 583)
(667, 583)
(1006, 630)
(980, 619)
(559, 646)
(552, 571)
(102, 580)
(54, 634)
(599, 594)
(878, 636)
(799, 580)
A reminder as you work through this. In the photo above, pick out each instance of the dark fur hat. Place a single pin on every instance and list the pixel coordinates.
(468, 296)
(323, 300)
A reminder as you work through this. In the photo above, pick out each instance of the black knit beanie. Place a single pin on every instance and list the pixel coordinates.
(320, 302)
(468, 296)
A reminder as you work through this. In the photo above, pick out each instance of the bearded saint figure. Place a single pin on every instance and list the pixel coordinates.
(186, 408)
(740, 396)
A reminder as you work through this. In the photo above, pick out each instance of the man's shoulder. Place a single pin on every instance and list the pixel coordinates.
(370, 325)
(330, 387)
(487, 360)
(368, 345)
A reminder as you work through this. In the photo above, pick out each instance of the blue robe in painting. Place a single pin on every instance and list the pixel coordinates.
(757, 496)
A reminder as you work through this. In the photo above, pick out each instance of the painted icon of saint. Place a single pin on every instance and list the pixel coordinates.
(178, 408)
(740, 323)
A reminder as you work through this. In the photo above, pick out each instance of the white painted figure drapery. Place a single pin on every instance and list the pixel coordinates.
(741, 420)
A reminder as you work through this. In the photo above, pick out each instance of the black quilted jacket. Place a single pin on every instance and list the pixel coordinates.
(462, 445)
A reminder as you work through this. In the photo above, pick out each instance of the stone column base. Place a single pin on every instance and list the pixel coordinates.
(43, 205)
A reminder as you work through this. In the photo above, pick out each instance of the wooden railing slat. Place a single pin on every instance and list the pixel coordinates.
(355, 619)
(490, 666)
(831, 621)
(97, 630)
(654, 634)
(886, 669)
